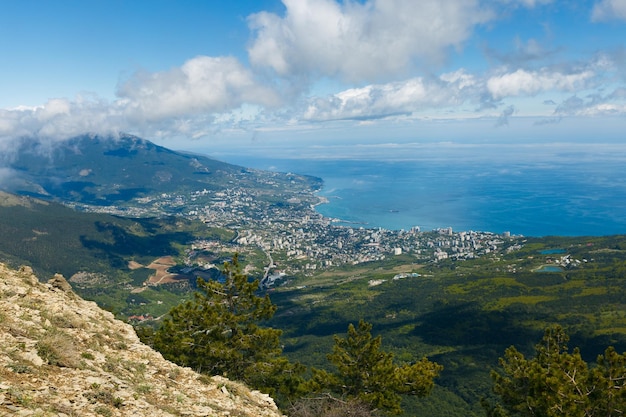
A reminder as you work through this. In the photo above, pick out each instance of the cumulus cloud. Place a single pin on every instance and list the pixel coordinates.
(201, 85)
(360, 41)
(523, 82)
(451, 90)
(180, 102)
(609, 10)
(391, 99)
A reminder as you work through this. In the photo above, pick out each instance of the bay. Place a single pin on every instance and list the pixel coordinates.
(570, 198)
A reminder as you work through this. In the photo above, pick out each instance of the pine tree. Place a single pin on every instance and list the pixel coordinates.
(369, 375)
(557, 382)
(219, 332)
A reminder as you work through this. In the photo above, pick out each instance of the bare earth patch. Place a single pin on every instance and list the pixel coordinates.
(132, 265)
(162, 276)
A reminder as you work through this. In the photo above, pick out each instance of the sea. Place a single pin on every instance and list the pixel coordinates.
(568, 197)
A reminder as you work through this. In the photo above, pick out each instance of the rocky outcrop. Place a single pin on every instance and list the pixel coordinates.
(63, 356)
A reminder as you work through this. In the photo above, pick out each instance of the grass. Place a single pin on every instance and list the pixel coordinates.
(504, 302)
(19, 368)
(143, 389)
(18, 396)
(104, 396)
(481, 285)
(57, 348)
(592, 291)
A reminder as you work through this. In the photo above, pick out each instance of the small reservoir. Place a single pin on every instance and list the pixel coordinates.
(552, 251)
(549, 269)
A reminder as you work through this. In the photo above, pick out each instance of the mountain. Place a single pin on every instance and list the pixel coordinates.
(106, 170)
(62, 356)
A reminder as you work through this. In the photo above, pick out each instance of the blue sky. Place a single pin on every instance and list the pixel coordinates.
(302, 74)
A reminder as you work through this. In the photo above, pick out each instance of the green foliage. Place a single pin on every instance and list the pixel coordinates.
(54, 238)
(369, 375)
(219, 332)
(557, 382)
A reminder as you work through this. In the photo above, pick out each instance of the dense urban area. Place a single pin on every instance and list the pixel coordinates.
(287, 227)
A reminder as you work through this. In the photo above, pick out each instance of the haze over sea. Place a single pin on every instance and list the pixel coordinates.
(532, 190)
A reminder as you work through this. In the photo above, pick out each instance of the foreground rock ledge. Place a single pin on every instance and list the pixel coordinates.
(63, 356)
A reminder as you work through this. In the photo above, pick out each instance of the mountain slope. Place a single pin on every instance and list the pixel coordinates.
(99, 170)
(53, 238)
(61, 355)
(95, 251)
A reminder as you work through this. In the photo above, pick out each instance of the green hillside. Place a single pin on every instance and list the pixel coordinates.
(94, 250)
(464, 314)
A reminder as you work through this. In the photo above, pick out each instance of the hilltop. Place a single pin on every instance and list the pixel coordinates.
(63, 356)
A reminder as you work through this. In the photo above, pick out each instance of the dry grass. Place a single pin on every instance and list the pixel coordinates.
(57, 348)
(328, 406)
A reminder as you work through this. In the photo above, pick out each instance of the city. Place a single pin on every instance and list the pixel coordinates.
(284, 224)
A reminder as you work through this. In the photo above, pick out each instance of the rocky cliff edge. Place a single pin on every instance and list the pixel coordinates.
(63, 356)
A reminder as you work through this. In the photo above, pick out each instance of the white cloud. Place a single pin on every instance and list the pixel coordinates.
(447, 95)
(200, 99)
(59, 119)
(54, 108)
(460, 78)
(184, 101)
(201, 85)
(609, 10)
(390, 99)
(523, 82)
(360, 41)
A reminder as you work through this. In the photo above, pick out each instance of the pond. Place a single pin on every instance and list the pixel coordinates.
(549, 268)
(552, 251)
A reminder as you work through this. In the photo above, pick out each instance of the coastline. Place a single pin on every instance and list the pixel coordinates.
(527, 199)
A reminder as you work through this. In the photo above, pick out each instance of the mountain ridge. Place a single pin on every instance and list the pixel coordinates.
(102, 170)
(97, 169)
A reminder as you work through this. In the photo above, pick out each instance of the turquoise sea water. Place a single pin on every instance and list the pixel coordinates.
(532, 199)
